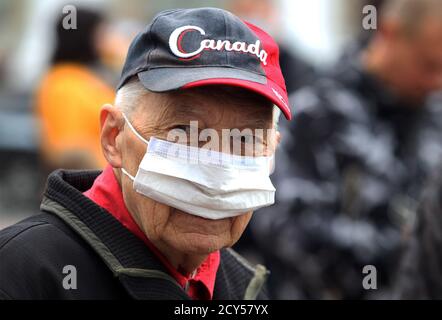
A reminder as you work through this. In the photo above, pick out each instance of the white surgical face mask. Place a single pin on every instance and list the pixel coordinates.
(203, 182)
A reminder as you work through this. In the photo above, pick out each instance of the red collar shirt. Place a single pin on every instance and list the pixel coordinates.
(106, 192)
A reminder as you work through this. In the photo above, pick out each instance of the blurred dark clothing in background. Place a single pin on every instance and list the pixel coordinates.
(420, 275)
(349, 173)
(297, 73)
(20, 174)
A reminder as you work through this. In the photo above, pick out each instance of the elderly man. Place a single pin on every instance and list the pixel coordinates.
(158, 222)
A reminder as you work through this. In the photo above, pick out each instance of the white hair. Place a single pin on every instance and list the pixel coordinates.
(276, 116)
(128, 97)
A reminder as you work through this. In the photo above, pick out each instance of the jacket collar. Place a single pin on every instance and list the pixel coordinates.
(135, 266)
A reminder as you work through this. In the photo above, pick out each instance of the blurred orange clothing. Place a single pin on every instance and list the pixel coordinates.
(69, 100)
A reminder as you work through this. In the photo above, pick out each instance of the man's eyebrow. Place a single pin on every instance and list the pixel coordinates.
(260, 118)
(257, 123)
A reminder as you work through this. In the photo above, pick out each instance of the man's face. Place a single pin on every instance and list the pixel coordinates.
(416, 60)
(156, 117)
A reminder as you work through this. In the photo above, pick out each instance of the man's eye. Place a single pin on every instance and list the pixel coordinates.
(246, 139)
(183, 127)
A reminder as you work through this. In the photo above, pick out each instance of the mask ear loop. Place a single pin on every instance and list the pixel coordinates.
(139, 137)
(128, 174)
(133, 129)
(272, 164)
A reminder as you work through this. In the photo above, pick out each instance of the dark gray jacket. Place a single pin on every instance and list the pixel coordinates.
(420, 275)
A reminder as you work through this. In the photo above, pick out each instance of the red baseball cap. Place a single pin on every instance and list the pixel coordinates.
(185, 48)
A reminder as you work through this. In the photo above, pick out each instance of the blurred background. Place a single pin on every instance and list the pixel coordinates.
(349, 181)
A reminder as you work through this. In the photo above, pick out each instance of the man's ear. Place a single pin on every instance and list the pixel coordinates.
(278, 138)
(111, 129)
(274, 139)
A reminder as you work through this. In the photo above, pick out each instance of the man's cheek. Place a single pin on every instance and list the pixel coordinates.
(239, 224)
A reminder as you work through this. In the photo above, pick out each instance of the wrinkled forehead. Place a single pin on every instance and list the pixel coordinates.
(229, 106)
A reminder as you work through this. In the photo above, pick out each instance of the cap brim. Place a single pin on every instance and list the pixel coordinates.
(167, 79)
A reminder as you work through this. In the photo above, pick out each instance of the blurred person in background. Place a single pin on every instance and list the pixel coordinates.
(70, 95)
(364, 140)
(114, 39)
(266, 15)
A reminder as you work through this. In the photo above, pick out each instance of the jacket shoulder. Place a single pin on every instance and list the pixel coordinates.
(31, 232)
(34, 254)
(28, 251)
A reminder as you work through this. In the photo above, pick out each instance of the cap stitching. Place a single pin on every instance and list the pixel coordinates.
(225, 36)
(150, 34)
(154, 44)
